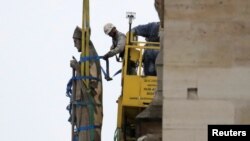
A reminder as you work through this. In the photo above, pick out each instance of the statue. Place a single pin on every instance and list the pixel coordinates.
(88, 100)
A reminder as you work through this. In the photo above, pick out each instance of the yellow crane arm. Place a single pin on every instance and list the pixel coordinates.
(85, 40)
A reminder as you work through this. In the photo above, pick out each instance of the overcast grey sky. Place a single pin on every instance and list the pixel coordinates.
(35, 48)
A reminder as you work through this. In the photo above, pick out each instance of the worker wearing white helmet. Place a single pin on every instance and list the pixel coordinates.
(118, 46)
(118, 41)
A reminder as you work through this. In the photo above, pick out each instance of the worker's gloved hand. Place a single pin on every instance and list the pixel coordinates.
(74, 64)
(106, 56)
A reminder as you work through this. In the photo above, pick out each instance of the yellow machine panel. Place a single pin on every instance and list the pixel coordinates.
(138, 91)
(131, 89)
(148, 88)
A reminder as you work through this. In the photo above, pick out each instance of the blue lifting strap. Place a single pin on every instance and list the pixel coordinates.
(104, 72)
(70, 83)
(89, 127)
(68, 89)
(75, 138)
(119, 71)
(95, 58)
(88, 58)
(82, 103)
(85, 77)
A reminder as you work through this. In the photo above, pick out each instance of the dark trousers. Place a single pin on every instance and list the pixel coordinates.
(149, 58)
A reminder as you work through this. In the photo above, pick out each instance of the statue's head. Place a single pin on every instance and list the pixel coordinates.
(77, 37)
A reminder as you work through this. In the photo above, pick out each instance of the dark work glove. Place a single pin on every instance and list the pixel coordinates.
(106, 56)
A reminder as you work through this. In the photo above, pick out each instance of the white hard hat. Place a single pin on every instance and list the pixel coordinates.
(108, 27)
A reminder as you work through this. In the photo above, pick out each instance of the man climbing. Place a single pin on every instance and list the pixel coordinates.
(151, 33)
(118, 46)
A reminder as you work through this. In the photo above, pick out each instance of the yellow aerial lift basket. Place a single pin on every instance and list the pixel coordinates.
(137, 89)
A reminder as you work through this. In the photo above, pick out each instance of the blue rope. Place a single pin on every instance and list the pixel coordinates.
(119, 71)
(82, 103)
(84, 128)
(68, 88)
(88, 58)
(85, 77)
(89, 127)
(104, 72)
(76, 138)
(70, 83)
(95, 58)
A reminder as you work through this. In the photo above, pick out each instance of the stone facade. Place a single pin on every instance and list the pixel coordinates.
(206, 66)
(149, 121)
